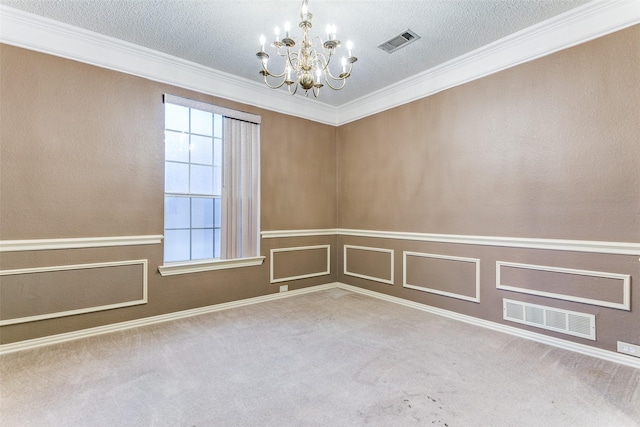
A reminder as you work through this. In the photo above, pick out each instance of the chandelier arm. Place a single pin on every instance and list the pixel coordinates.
(275, 76)
(322, 60)
(267, 72)
(328, 70)
(295, 90)
(272, 86)
(328, 82)
(343, 76)
(293, 59)
(332, 76)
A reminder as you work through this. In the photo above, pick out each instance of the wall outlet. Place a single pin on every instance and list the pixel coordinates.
(630, 349)
(284, 288)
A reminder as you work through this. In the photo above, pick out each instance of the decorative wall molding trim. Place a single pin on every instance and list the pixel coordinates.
(576, 26)
(388, 281)
(587, 350)
(475, 261)
(626, 284)
(302, 276)
(54, 315)
(77, 243)
(618, 248)
(279, 234)
(115, 327)
(198, 266)
(544, 339)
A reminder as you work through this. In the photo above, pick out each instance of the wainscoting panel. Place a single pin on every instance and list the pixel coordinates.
(604, 289)
(369, 263)
(300, 262)
(31, 294)
(451, 276)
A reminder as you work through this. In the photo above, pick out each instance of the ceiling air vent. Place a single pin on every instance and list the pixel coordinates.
(399, 41)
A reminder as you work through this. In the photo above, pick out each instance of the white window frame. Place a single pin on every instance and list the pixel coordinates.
(194, 266)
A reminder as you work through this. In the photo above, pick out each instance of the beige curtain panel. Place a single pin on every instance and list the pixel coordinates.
(240, 190)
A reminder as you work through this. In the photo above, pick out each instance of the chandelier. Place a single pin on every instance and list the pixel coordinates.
(309, 66)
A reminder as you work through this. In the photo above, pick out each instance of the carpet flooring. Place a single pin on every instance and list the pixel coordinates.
(328, 358)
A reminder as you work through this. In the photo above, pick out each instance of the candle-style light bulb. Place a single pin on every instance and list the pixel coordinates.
(344, 64)
(287, 27)
(262, 40)
(277, 31)
(318, 75)
(328, 31)
(333, 30)
(304, 11)
(349, 47)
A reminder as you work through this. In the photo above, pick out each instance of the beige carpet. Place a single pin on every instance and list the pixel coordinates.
(329, 358)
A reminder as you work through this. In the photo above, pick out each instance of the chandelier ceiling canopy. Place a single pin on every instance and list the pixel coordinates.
(308, 66)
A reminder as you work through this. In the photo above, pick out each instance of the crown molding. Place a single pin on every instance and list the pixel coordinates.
(592, 20)
(579, 25)
(37, 33)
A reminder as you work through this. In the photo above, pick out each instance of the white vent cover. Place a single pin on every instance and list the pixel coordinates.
(399, 41)
(568, 322)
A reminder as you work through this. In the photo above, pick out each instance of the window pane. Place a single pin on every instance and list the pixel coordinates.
(201, 179)
(176, 117)
(202, 243)
(176, 245)
(216, 243)
(216, 205)
(201, 213)
(217, 181)
(176, 212)
(201, 150)
(176, 146)
(217, 152)
(176, 177)
(201, 122)
(217, 126)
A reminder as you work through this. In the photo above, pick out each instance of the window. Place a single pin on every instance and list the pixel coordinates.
(193, 183)
(211, 182)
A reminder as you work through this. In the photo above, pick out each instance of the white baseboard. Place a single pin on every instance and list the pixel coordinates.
(84, 333)
(556, 342)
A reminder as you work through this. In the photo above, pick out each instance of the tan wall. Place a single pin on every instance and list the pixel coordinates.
(82, 156)
(547, 149)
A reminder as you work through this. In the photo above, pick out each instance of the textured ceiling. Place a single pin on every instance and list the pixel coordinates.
(223, 34)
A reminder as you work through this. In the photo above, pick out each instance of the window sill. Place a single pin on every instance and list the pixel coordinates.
(174, 268)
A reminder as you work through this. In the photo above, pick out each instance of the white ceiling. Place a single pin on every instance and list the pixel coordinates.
(223, 34)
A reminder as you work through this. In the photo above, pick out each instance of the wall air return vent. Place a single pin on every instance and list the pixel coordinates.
(398, 42)
(554, 319)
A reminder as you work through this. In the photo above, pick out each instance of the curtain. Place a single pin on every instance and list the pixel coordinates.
(240, 214)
